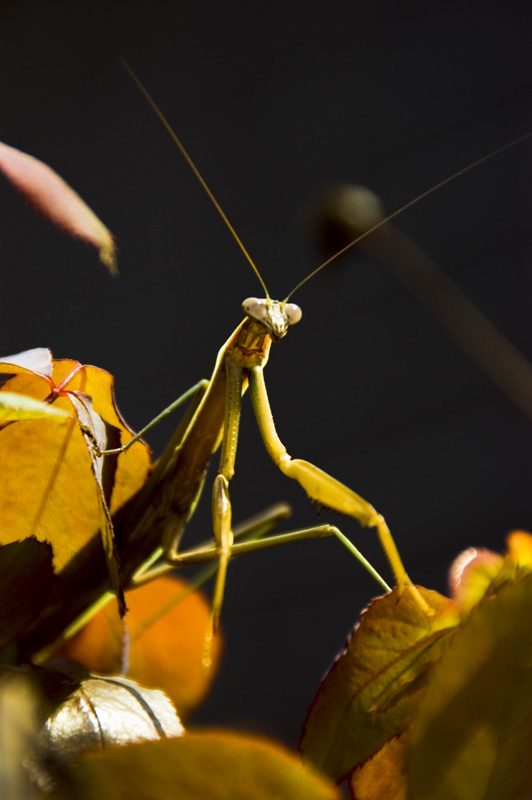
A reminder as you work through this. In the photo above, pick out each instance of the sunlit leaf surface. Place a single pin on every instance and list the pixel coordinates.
(67, 714)
(57, 488)
(372, 690)
(15, 407)
(103, 712)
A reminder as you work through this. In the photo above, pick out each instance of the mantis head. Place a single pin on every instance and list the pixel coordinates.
(273, 315)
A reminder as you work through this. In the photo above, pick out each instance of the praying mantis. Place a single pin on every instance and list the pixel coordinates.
(214, 421)
(175, 486)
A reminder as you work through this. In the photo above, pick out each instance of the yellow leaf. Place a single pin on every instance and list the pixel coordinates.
(49, 465)
(15, 407)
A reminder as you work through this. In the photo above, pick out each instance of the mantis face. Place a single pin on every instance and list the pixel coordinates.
(273, 315)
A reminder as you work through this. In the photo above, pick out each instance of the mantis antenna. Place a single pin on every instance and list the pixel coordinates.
(195, 170)
(348, 246)
(408, 205)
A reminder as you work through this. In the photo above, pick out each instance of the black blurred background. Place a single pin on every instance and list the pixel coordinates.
(275, 101)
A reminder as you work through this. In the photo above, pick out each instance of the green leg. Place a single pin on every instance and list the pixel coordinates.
(199, 387)
(207, 553)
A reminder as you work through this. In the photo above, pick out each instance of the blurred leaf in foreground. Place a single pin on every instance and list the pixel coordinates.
(19, 730)
(217, 765)
(472, 739)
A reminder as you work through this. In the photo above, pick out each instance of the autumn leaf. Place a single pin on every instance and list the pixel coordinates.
(472, 737)
(210, 764)
(52, 197)
(383, 776)
(471, 575)
(73, 712)
(102, 712)
(520, 549)
(49, 465)
(477, 572)
(18, 406)
(372, 691)
(165, 610)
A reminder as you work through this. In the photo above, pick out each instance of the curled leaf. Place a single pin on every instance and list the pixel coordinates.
(477, 572)
(52, 197)
(94, 432)
(109, 711)
(74, 712)
(38, 360)
(471, 575)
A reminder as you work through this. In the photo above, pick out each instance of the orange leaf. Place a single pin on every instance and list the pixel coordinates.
(520, 548)
(52, 197)
(163, 611)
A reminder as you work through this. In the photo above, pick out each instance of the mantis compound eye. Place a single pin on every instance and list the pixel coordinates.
(255, 307)
(293, 313)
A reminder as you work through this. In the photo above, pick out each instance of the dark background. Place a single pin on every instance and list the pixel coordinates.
(274, 101)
